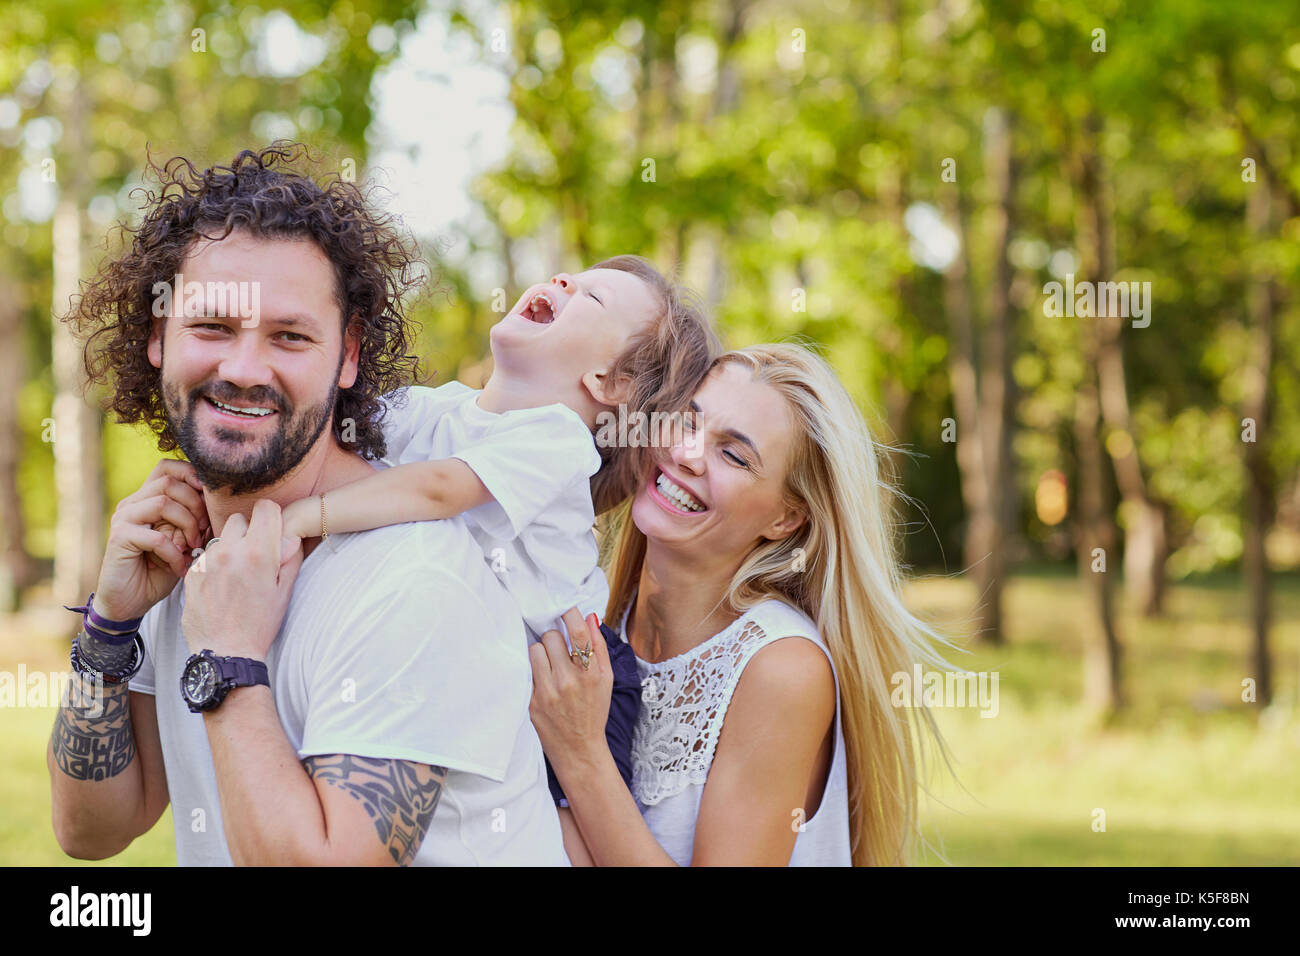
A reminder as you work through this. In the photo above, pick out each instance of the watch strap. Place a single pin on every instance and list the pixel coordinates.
(242, 672)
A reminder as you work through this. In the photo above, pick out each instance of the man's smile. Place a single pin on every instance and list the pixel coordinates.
(244, 439)
(231, 412)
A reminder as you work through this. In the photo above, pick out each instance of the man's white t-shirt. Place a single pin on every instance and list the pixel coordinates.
(400, 644)
(537, 463)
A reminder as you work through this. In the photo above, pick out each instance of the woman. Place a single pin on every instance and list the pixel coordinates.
(765, 523)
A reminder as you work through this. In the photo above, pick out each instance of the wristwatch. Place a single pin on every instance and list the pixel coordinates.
(207, 678)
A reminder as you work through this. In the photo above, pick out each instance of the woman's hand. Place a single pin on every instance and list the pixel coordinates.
(570, 704)
(569, 709)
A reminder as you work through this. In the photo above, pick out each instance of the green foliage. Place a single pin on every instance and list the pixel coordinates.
(158, 80)
(769, 154)
(787, 144)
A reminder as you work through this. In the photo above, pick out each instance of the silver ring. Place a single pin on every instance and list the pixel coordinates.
(211, 543)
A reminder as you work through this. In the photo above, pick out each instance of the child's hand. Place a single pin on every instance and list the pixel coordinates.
(290, 545)
(302, 519)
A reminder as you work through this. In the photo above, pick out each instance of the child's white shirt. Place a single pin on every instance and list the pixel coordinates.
(537, 463)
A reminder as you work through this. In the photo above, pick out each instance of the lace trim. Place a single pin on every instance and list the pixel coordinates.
(684, 700)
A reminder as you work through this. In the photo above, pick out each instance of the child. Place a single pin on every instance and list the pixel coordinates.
(518, 458)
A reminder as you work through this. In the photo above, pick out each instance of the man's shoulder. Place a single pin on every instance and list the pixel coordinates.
(407, 585)
(414, 558)
(409, 540)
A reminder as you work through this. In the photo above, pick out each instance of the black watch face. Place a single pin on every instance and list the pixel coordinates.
(200, 681)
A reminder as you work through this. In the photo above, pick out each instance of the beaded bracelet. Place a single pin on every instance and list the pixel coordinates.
(80, 666)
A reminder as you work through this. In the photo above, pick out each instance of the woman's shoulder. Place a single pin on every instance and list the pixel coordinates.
(780, 674)
(770, 659)
(776, 618)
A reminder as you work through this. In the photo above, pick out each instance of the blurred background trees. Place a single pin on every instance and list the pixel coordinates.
(89, 89)
(894, 181)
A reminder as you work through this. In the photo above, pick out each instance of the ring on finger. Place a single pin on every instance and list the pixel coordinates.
(582, 655)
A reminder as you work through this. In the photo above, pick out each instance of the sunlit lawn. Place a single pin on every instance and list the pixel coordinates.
(25, 833)
(1191, 775)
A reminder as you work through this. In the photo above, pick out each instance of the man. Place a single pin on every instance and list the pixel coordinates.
(359, 701)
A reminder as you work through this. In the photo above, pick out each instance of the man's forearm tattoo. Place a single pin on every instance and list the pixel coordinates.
(399, 795)
(95, 741)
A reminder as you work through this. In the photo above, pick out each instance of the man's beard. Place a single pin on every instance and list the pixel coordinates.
(279, 454)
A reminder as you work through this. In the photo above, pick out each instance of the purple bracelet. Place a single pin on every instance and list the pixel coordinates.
(101, 628)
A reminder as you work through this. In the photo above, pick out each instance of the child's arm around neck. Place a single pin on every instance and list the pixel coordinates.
(417, 491)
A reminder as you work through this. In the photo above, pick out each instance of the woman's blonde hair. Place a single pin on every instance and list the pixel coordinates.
(840, 569)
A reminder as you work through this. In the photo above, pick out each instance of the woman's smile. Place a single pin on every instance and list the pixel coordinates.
(674, 497)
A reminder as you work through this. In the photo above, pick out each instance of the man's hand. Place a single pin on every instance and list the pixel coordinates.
(129, 583)
(178, 537)
(237, 593)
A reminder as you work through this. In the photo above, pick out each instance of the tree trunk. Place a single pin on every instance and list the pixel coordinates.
(975, 490)
(982, 384)
(78, 480)
(1145, 545)
(727, 93)
(1095, 531)
(996, 385)
(894, 201)
(17, 569)
(726, 97)
(1257, 408)
(1095, 544)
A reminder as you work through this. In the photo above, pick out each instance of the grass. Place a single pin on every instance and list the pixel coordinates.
(26, 834)
(1188, 775)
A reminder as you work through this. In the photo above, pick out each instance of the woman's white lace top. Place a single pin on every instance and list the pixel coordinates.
(683, 704)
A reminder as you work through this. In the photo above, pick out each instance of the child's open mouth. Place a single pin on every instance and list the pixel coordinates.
(540, 309)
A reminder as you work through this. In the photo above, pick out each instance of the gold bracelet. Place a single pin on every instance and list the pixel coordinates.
(324, 530)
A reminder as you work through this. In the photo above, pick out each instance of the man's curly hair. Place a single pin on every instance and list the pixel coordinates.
(376, 265)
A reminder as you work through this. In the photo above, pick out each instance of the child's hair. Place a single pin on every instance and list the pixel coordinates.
(661, 366)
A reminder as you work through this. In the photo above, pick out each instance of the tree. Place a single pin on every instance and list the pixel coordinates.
(176, 79)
